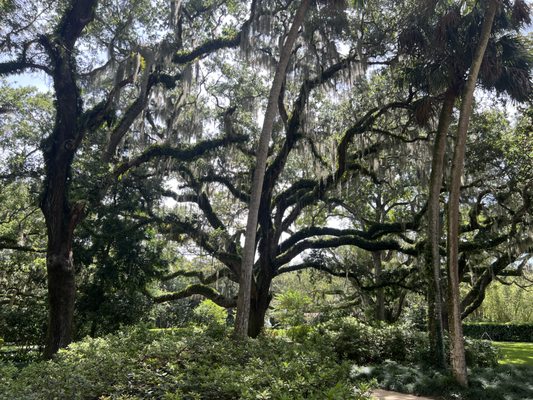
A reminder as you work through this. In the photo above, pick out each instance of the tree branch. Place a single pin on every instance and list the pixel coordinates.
(185, 153)
(196, 289)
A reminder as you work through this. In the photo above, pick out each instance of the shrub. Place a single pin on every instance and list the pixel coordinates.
(290, 308)
(500, 332)
(211, 316)
(365, 344)
(143, 364)
(481, 353)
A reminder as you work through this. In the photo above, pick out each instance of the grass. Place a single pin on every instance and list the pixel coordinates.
(516, 353)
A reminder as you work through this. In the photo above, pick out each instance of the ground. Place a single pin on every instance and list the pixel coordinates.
(386, 395)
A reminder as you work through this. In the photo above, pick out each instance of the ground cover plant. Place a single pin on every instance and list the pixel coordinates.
(505, 382)
(195, 363)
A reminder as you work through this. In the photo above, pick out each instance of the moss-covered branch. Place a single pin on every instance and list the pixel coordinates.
(184, 153)
(172, 225)
(205, 280)
(196, 289)
(210, 46)
(333, 242)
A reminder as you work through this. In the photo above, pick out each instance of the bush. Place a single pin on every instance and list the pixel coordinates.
(290, 308)
(184, 364)
(481, 353)
(211, 316)
(365, 344)
(500, 332)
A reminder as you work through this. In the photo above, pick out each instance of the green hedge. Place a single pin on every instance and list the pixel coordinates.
(500, 332)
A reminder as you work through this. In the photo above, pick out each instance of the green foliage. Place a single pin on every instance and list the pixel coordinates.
(207, 312)
(299, 333)
(500, 332)
(481, 353)
(507, 303)
(367, 344)
(211, 316)
(183, 364)
(290, 307)
(120, 255)
(500, 383)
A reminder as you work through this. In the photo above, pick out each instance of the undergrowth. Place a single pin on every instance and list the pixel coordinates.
(192, 364)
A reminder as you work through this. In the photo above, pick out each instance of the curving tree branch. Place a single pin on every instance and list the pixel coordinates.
(196, 289)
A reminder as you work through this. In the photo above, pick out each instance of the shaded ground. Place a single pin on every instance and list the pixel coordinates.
(386, 395)
(516, 353)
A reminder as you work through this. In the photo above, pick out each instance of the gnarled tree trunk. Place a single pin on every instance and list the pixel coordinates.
(60, 215)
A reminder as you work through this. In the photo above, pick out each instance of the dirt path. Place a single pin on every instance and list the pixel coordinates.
(386, 395)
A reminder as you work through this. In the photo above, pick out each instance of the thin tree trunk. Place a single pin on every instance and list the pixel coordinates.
(245, 283)
(456, 328)
(436, 325)
(380, 295)
(378, 267)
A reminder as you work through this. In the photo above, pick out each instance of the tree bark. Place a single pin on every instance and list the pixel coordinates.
(380, 294)
(61, 297)
(245, 283)
(60, 215)
(258, 308)
(377, 261)
(456, 330)
(435, 317)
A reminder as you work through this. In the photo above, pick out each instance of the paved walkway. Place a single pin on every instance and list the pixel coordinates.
(386, 395)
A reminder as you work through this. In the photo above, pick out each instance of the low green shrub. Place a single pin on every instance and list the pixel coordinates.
(144, 364)
(365, 344)
(290, 307)
(212, 317)
(499, 332)
(481, 353)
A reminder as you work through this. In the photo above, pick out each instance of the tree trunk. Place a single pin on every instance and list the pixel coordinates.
(380, 294)
(435, 317)
(61, 296)
(258, 309)
(456, 329)
(60, 215)
(61, 220)
(245, 283)
(377, 261)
